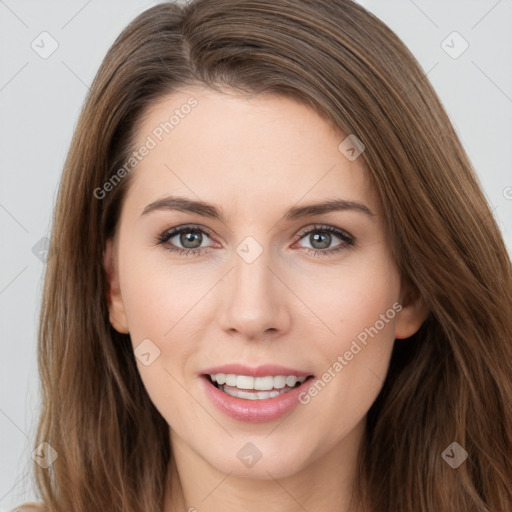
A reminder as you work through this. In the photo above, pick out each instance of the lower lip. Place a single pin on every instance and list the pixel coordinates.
(255, 411)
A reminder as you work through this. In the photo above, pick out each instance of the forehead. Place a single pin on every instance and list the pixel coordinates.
(249, 151)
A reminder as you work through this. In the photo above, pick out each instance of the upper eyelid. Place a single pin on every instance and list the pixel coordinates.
(191, 227)
(325, 227)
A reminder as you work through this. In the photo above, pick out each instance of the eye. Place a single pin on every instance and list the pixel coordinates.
(185, 240)
(192, 240)
(321, 237)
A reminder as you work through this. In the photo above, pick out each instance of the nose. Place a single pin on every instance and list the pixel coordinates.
(256, 300)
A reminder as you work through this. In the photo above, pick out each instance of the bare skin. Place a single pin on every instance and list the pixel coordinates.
(254, 158)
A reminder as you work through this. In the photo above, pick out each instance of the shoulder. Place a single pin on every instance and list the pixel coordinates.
(30, 507)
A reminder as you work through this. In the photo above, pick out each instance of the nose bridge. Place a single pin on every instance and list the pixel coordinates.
(255, 303)
(252, 275)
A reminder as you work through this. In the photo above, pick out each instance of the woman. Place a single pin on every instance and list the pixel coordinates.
(274, 279)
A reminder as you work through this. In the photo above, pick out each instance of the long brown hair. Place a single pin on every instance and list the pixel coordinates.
(450, 382)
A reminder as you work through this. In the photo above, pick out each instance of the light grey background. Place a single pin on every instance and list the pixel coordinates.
(40, 99)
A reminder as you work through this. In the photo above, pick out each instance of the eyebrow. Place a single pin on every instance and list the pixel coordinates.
(296, 212)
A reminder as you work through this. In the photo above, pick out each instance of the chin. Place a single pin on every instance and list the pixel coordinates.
(260, 459)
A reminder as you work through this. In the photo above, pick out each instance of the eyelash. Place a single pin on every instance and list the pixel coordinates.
(347, 240)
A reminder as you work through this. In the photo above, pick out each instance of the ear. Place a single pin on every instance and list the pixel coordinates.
(413, 313)
(113, 292)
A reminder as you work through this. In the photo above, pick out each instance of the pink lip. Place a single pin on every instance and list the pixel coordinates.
(259, 371)
(255, 411)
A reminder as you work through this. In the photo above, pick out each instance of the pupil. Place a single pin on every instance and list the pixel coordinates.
(324, 240)
(190, 237)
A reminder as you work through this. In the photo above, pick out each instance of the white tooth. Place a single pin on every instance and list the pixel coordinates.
(244, 382)
(247, 395)
(264, 383)
(231, 379)
(279, 382)
(291, 380)
(241, 394)
(220, 378)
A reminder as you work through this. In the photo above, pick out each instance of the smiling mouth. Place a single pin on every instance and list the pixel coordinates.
(255, 388)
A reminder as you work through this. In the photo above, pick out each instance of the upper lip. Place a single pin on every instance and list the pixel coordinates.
(257, 371)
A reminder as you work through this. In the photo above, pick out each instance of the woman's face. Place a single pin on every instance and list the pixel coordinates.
(258, 283)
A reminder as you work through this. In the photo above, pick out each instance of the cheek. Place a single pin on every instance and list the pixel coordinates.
(360, 311)
(162, 306)
(160, 298)
(368, 303)
(351, 298)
